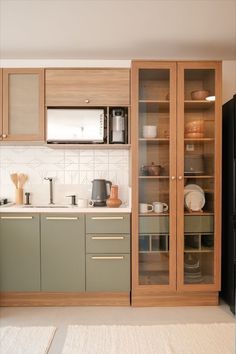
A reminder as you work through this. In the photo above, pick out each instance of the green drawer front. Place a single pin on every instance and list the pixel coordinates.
(19, 252)
(107, 223)
(199, 223)
(63, 253)
(106, 272)
(107, 243)
(154, 224)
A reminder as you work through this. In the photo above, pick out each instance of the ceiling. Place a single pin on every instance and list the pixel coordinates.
(118, 29)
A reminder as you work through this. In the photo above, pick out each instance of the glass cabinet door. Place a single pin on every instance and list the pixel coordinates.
(198, 176)
(23, 104)
(153, 167)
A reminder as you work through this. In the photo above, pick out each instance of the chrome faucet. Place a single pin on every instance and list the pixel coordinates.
(51, 190)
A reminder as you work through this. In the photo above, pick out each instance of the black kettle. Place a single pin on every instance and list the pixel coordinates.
(100, 192)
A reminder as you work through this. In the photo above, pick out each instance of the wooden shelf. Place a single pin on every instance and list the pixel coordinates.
(198, 213)
(192, 250)
(154, 177)
(89, 146)
(198, 176)
(153, 252)
(153, 214)
(199, 139)
(198, 104)
(154, 140)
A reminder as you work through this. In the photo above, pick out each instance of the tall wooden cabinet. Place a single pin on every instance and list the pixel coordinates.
(22, 104)
(176, 165)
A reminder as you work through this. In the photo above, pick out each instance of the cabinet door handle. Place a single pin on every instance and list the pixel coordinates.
(108, 238)
(4, 135)
(87, 100)
(61, 218)
(107, 218)
(107, 257)
(17, 217)
(173, 178)
(180, 178)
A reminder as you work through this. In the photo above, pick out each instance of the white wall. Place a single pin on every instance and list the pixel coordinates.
(229, 80)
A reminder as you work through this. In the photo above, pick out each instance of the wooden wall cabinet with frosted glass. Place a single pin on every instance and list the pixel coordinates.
(176, 163)
(22, 105)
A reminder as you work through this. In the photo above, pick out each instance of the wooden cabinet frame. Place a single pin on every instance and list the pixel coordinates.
(22, 137)
(176, 293)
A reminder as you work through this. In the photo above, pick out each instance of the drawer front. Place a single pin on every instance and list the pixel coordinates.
(107, 223)
(152, 224)
(87, 87)
(199, 223)
(108, 243)
(107, 272)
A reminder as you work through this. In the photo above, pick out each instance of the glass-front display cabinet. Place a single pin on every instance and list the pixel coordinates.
(198, 171)
(154, 170)
(176, 164)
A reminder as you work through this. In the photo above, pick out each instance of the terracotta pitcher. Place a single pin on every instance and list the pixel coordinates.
(113, 201)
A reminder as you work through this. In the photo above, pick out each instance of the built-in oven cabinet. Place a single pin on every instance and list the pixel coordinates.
(87, 87)
(22, 116)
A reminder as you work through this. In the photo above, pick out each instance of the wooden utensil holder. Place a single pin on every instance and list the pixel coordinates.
(19, 196)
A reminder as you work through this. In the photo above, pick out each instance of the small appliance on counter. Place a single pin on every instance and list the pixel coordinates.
(100, 192)
(118, 126)
(4, 202)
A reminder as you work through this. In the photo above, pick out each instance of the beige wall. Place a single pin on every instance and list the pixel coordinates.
(229, 79)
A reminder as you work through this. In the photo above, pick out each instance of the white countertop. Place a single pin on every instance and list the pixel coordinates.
(62, 210)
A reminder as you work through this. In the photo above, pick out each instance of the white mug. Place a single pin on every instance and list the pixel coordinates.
(82, 203)
(145, 208)
(159, 207)
(149, 131)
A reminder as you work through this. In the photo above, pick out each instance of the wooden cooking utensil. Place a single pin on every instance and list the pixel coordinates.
(14, 178)
(22, 178)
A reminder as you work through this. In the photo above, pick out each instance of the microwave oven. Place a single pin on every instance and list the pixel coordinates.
(75, 125)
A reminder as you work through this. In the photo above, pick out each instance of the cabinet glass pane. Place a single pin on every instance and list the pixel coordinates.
(23, 104)
(199, 145)
(154, 167)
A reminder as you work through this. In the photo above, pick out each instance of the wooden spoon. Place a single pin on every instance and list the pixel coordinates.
(14, 178)
(22, 179)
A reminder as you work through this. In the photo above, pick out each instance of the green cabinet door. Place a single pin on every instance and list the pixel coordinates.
(19, 252)
(62, 252)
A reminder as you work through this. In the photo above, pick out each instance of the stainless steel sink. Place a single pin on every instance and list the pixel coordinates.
(46, 206)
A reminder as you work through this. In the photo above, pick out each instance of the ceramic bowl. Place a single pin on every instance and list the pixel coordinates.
(199, 94)
(194, 129)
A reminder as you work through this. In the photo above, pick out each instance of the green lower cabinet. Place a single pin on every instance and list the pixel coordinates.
(19, 253)
(63, 253)
(108, 272)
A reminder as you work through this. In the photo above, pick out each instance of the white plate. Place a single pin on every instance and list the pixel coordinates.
(194, 200)
(193, 187)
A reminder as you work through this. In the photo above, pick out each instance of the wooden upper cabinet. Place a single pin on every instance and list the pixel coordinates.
(0, 104)
(23, 105)
(87, 87)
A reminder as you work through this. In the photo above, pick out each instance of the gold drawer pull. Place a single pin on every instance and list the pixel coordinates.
(107, 257)
(108, 238)
(107, 218)
(61, 218)
(17, 217)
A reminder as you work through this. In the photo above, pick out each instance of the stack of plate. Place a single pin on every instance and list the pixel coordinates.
(194, 197)
(192, 271)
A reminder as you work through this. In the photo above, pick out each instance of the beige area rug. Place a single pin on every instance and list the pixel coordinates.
(217, 338)
(26, 340)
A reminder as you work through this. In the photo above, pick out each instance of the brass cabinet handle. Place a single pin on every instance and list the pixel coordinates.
(180, 178)
(4, 135)
(17, 217)
(107, 257)
(61, 218)
(108, 238)
(107, 218)
(173, 178)
(87, 100)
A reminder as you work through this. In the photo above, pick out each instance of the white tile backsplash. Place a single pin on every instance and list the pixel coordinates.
(73, 170)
